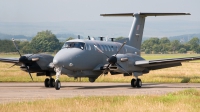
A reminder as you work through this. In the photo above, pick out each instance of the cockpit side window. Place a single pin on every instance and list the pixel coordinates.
(79, 45)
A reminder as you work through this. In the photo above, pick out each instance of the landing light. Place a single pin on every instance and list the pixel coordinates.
(70, 64)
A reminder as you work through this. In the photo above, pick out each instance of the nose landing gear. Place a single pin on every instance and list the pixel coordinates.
(57, 82)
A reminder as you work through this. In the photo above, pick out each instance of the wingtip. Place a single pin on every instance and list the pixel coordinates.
(187, 13)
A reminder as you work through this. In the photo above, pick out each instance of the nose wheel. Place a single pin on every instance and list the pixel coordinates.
(57, 84)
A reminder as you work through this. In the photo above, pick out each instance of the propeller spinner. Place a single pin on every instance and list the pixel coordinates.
(113, 59)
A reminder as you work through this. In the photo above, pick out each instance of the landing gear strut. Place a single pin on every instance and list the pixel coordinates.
(58, 73)
(136, 83)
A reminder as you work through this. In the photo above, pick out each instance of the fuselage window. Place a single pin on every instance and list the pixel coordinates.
(79, 45)
(94, 48)
(88, 47)
(112, 48)
(108, 48)
(99, 46)
(104, 46)
(116, 48)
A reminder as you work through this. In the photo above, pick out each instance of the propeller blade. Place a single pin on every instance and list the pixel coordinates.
(13, 65)
(29, 72)
(120, 48)
(100, 51)
(16, 46)
(122, 68)
(107, 69)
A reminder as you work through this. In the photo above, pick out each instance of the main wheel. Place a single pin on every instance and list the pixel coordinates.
(52, 82)
(138, 83)
(57, 84)
(133, 83)
(46, 82)
(92, 79)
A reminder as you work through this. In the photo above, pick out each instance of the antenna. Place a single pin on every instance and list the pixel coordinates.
(89, 38)
(112, 39)
(79, 37)
(101, 38)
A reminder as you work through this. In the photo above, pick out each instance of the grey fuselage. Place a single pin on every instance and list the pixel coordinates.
(82, 61)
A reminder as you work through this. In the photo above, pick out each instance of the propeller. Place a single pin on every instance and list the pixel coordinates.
(24, 59)
(113, 59)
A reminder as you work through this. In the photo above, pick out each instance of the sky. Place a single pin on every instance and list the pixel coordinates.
(33, 11)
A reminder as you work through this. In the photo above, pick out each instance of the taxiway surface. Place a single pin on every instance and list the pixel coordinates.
(32, 91)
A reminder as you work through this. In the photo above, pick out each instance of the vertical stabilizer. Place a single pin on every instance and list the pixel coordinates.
(136, 32)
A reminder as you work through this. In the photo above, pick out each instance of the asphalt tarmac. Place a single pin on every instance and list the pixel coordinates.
(16, 92)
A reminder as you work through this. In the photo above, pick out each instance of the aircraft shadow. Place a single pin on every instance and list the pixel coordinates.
(145, 86)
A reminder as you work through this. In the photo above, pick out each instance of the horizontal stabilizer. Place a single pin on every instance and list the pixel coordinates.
(145, 14)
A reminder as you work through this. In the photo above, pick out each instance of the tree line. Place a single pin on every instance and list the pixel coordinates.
(46, 41)
(164, 46)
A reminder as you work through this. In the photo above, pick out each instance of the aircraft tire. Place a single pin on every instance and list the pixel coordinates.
(91, 79)
(52, 82)
(138, 83)
(133, 83)
(46, 82)
(57, 84)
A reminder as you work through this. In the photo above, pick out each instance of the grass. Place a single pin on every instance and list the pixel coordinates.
(182, 101)
(188, 73)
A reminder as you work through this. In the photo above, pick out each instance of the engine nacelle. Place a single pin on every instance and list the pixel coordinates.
(127, 62)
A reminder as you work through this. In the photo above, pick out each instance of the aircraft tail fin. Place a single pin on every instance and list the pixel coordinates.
(136, 32)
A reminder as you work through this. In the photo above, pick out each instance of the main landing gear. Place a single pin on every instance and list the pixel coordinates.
(136, 83)
(92, 79)
(49, 82)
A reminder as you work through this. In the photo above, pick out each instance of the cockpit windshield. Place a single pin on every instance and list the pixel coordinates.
(79, 45)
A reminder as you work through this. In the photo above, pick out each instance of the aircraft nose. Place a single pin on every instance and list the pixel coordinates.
(63, 58)
(69, 59)
(58, 59)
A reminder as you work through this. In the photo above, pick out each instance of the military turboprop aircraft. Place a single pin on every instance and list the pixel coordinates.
(91, 58)
(34, 63)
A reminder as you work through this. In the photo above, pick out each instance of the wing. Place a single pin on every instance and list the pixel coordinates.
(163, 63)
(10, 60)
